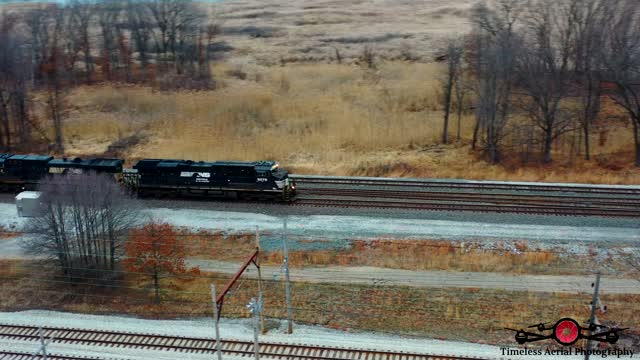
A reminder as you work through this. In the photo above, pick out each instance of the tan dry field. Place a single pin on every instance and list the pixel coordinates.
(309, 30)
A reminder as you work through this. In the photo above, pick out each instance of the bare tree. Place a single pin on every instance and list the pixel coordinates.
(543, 71)
(7, 66)
(453, 52)
(176, 21)
(138, 22)
(82, 13)
(587, 17)
(108, 18)
(56, 71)
(15, 72)
(39, 23)
(84, 223)
(495, 48)
(368, 58)
(621, 58)
(460, 89)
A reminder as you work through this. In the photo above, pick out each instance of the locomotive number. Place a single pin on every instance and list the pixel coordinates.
(263, 179)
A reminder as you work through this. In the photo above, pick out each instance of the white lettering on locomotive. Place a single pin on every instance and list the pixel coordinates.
(198, 174)
(262, 180)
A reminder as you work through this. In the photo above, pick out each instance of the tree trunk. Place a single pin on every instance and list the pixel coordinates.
(548, 139)
(156, 285)
(56, 114)
(459, 121)
(587, 153)
(476, 128)
(88, 66)
(4, 119)
(447, 109)
(493, 154)
(636, 139)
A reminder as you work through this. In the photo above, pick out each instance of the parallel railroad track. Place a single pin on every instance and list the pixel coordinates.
(453, 185)
(520, 199)
(477, 196)
(434, 206)
(193, 345)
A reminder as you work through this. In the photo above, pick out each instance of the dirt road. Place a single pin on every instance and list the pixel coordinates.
(437, 279)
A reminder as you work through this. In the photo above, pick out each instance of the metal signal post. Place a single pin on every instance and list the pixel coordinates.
(287, 280)
(216, 318)
(592, 320)
(257, 264)
(255, 309)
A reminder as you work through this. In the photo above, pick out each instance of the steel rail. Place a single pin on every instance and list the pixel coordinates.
(115, 339)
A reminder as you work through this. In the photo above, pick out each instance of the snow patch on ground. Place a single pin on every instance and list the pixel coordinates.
(9, 218)
(242, 330)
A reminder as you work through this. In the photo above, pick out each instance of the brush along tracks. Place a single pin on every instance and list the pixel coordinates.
(191, 345)
(478, 196)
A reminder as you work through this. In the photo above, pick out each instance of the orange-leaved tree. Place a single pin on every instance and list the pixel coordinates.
(155, 250)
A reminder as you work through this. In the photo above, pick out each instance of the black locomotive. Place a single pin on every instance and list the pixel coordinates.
(158, 177)
(231, 179)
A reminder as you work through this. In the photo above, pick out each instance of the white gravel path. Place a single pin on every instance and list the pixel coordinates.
(434, 279)
(368, 227)
(241, 330)
(362, 227)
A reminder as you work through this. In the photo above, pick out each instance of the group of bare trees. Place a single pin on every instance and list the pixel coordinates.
(53, 47)
(546, 66)
(15, 73)
(84, 224)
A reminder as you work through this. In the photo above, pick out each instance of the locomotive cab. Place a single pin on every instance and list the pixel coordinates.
(282, 181)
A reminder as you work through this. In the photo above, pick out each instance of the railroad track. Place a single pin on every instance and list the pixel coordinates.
(194, 345)
(502, 197)
(549, 210)
(474, 185)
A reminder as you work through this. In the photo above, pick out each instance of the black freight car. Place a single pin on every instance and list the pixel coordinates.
(23, 172)
(245, 180)
(18, 172)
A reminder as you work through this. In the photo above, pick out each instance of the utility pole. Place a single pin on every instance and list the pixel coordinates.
(257, 263)
(254, 307)
(287, 280)
(592, 320)
(216, 319)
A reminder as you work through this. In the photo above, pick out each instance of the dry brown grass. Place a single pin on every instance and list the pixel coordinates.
(434, 255)
(323, 119)
(453, 314)
(273, 31)
(420, 255)
(217, 245)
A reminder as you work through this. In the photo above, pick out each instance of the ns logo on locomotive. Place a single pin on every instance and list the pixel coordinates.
(157, 177)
